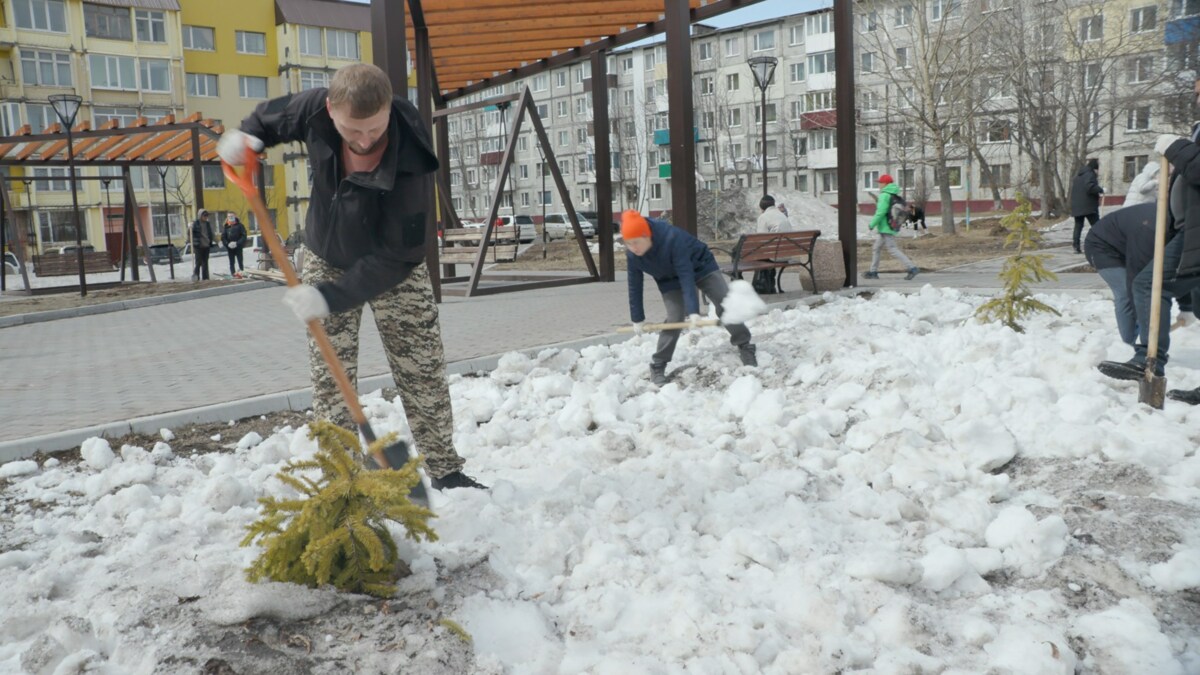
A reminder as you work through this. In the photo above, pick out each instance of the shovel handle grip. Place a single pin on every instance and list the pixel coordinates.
(245, 181)
(1160, 235)
(649, 327)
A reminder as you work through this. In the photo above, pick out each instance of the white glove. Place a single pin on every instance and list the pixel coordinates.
(233, 145)
(694, 321)
(1165, 142)
(232, 244)
(307, 302)
(637, 327)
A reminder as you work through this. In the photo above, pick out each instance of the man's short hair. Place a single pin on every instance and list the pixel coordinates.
(766, 202)
(363, 87)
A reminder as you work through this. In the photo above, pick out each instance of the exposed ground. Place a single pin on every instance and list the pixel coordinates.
(11, 305)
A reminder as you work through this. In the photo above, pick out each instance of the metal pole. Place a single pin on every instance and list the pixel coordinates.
(3, 245)
(75, 213)
(681, 115)
(847, 171)
(763, 150)
(162, 174)
(542, 199)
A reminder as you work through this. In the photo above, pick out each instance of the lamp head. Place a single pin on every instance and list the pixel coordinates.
(66, 107)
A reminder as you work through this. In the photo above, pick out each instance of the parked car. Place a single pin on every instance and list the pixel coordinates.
(159, 254)
(64, 250)
(11, 262)
(558, 225)
(526, 228)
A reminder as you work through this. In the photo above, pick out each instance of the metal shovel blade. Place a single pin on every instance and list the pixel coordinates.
(1152, 389)
(396, 455)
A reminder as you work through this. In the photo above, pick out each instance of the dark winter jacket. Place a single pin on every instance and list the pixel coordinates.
(1184, 155)
(1085, 192)
(1124, 238)
(234, 234)
(370, 225)
(202, 234)
(676, 260)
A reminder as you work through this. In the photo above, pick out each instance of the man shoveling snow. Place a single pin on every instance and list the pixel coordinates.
(679, 263)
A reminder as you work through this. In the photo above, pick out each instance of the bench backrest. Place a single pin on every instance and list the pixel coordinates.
(775, 245)
(472, 235)
(60, 264)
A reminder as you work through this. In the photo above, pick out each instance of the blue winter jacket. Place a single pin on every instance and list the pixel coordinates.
(676, 260)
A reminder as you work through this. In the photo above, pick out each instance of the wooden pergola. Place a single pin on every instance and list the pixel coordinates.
(165, 142)
(464, 47)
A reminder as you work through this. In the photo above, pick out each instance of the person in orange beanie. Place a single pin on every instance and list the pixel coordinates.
(679, 264)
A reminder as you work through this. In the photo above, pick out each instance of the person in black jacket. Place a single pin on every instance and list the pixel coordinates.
(1119, 246)
(201, 233)
(233, 236)
(372, 187)
(916, 216)
(1085, 198)
(1181, 261)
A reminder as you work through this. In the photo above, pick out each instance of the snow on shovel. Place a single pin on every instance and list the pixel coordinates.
(741, 304)
(394, 455)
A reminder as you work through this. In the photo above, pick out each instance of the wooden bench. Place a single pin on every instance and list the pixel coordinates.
(772, 250)
(62, 264)
(461, 246)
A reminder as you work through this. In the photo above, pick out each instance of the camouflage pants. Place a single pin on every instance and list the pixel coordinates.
(407, 319)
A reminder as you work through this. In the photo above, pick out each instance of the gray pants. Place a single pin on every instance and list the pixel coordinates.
(407, 319)
(716, 288)
(888, 240)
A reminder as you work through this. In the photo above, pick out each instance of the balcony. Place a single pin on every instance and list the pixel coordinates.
(664, 170)
(491, 158)
(820, 119)
(663, 136)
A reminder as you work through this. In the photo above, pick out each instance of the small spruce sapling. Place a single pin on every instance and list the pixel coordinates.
(336, 531)
(1022, 268)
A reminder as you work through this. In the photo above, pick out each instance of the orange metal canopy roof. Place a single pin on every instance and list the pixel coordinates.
(475, 40)
(164, 142)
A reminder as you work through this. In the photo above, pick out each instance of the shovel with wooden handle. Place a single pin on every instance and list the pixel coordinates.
(395, 454)
(1152, 388)
(650, 327)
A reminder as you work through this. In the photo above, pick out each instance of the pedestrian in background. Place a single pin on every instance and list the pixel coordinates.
(885, 226)
(202, 241)
(1085, 198)
(234, 238)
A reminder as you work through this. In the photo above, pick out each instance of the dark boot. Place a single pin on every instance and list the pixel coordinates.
(456, 479)
(749, 356)
(1127, 370)
(658, 374)
(1189, 396)
(871, 275)
(911, 273)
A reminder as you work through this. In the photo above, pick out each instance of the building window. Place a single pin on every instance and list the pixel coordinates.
(564, 139)
(155, 74)
(764, 41)
(735, 117)
(797, 108)
(707, 86)
(1093, 75)
(656, 191)
(732, 82)
(626, 64)
(546, 198)
(1091, 28)
(825, 139)
(214, 177)
(999, 176)
(903, 55)
(560, 79)
(342, 44)
(151, 26)
(868, 62)
(101, 21)
(1143, 19)
(819, 100)
(705, 50)
(796, 72)
(706, 154)
(310, 41)
(870, 178)
(48, 69)
(56, 226)
(800, 146)
(733, 46)
(524, 199)
(827, 179)
(869, 22)
(312, 79)
(173, 219)
(904, 15)
(249, 42)
(113, 72)
(1133, 165)
(870, 142)
(564, 167)
(1141, 69)
(818, 24)
(998, 131)
(945, 9)
(198, 38)
(772, 116)
(772, 148)
(200, 84)
(870, 100)
(540, 82)
(581, 135)
(820, 63)
(1138, 119)
(800, 182)
(59, 182)
(1185, 7)
(252, 87)
(796, 35)
(905, 138)
(954, 176)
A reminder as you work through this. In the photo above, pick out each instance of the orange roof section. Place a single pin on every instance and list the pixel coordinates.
(164, 141)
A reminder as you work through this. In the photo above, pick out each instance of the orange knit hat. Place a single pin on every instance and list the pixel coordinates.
(633, 225)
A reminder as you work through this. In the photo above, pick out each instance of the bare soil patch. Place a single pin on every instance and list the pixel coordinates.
(129, 291)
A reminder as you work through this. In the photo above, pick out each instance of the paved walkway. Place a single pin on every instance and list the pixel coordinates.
(91, 370)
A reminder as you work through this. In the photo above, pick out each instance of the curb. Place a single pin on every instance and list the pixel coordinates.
(120, 305)
(301, 399)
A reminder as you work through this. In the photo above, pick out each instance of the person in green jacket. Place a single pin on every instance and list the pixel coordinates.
(886, 228)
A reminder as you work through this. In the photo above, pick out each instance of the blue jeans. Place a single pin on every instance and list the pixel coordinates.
(1172, 288)
(1127, 324)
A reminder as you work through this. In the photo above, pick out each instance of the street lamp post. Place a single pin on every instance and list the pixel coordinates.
(162, 174)
(66, 107)
(763, 68)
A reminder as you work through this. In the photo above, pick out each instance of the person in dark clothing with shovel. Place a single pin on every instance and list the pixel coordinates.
(1119, 246)
(1181, 261)
(679, 264)
(373, 163)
